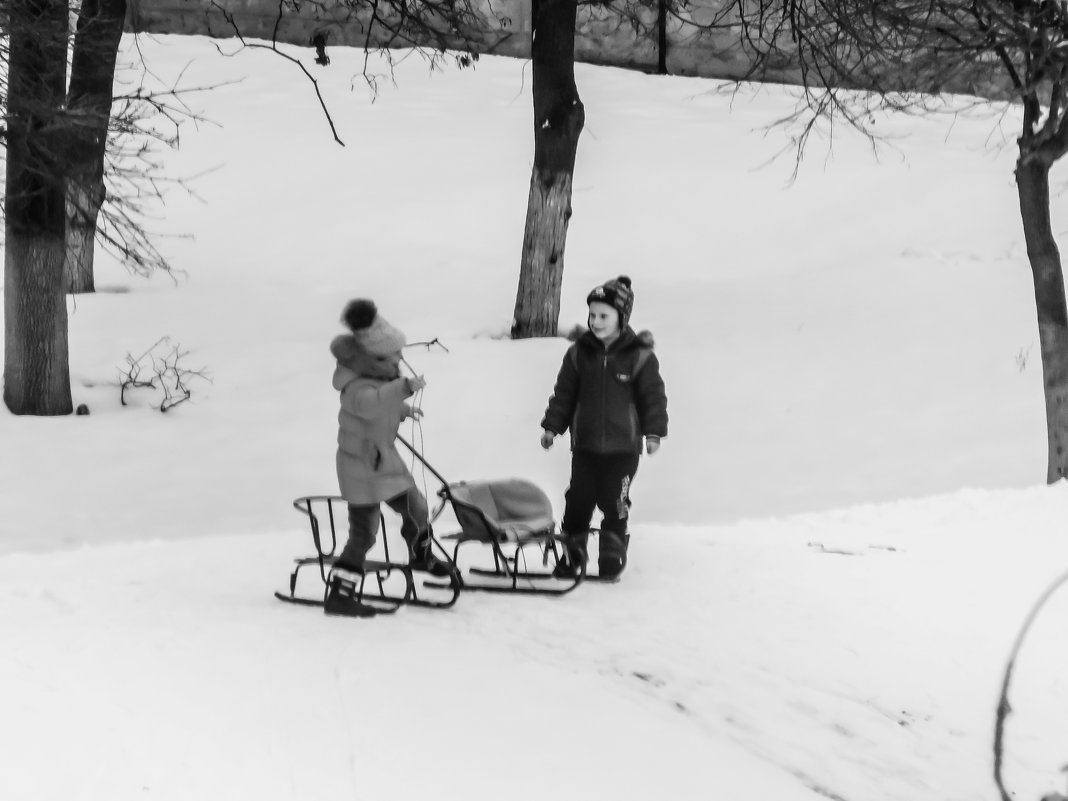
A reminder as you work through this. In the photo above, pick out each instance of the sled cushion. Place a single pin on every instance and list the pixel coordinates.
(505, 510)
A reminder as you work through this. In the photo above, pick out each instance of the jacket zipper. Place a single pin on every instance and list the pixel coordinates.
(604, 402)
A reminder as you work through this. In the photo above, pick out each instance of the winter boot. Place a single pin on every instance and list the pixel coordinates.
(572, 562)
(612, 557)
(341, 598)
(423, 558)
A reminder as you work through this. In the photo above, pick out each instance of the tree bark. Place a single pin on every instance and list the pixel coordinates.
(1032, 182)
(82, 209)
(36, 371)
(89, 100)
(558, 120)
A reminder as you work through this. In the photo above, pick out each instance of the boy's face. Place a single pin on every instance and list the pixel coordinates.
(604, 320)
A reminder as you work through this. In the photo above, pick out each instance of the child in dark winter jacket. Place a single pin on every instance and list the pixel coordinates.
(609, 393)
(370, 470)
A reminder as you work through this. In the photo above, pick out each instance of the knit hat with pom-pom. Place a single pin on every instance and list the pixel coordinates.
(370, 330)
(617, 294)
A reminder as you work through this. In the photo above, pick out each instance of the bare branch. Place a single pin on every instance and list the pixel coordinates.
(273, 47)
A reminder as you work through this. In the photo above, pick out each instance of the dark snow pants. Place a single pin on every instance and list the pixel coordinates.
(602, 481)
(363, 526)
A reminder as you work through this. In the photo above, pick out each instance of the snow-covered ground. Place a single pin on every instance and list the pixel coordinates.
(832, 553)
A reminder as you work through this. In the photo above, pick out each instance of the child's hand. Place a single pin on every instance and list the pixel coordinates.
(415, 413)
(416, 383)
(547, 438)
(652, 445)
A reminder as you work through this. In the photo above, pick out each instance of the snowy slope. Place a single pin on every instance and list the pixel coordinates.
(832, 553)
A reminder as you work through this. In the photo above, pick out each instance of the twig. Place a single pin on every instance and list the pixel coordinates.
(428, 345)
(168, 376)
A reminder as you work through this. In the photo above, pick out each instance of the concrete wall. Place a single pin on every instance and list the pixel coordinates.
(602, 37)
(693, 46)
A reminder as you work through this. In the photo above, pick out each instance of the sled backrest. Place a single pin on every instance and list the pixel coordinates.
(321, 513)
(504, 510)
(328, 518)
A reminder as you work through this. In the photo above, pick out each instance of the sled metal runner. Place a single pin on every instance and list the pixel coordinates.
(509, 518)
(593, 578)
(508, 576)
(385, 585)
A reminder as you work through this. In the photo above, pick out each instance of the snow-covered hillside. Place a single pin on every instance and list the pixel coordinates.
(832, 553)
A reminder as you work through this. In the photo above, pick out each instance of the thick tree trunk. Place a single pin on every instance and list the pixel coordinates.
(1032, 182)
(558, 121)
(89, 99)
(36, 372)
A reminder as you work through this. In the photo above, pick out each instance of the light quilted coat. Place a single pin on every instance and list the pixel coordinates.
(370, 470)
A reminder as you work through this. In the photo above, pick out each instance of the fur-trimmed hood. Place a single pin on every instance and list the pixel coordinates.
(353, 359)
(627, 338)
(343, 376)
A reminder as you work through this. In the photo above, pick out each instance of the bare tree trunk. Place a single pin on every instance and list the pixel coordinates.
(661, 37)
(1032, 182)
(89, 99)
(36, 371)
(558, 121)
(82, 209)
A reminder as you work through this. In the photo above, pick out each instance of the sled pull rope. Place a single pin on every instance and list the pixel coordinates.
(1004, 708)
(417, 438)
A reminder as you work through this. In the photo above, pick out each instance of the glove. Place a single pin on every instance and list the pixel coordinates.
(547, 438)
(416, 383)
(652, 445)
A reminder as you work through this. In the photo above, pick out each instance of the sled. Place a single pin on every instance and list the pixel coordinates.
(385, 584)
(511, 522)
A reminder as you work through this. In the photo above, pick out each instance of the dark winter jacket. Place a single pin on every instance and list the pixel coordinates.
(609, 398)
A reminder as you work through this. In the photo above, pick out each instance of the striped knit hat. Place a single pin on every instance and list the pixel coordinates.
(617, 294)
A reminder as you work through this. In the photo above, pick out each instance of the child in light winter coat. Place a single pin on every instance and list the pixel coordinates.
(609, 393)
(370, 470)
